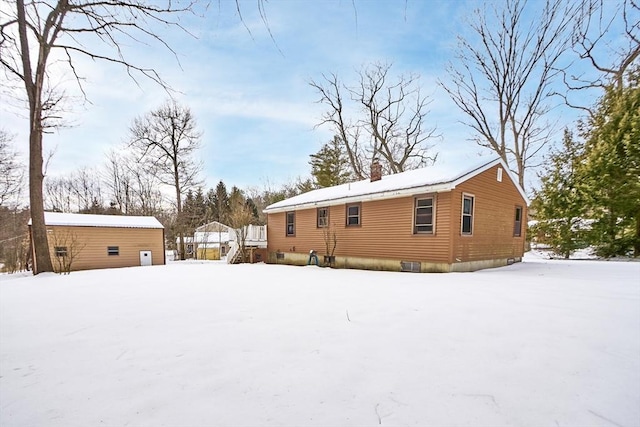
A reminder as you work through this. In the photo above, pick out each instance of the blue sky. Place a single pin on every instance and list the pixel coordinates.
(250, 93)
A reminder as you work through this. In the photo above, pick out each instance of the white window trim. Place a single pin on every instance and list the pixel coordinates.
(473, 214)
(521, 220)
(286, 219)
(359, 216)
(318, 217)
(433, 214)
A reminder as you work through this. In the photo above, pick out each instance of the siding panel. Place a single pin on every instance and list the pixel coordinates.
(92, 243)
(494, 216)
(386, 232)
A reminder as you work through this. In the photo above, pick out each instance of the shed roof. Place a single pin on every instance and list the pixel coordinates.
(437, 178)
(91, 220)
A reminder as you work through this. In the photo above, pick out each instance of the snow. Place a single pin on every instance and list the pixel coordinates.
(425, 180)
(91, 220)
(538, 343)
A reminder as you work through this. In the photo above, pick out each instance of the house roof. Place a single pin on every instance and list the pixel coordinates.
(431, 179)
(213, 226)
(90, 220)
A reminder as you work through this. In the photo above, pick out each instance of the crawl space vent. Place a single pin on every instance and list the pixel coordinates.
(410, 266)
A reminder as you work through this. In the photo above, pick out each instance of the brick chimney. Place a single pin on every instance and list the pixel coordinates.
(376, 170)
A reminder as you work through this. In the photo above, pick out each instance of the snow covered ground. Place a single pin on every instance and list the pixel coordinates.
(540, 343)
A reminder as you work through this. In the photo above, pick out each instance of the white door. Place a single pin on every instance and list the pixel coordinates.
(145, 258)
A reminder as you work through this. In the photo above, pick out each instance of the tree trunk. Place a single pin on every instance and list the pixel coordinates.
(42, 261)
(176, 177)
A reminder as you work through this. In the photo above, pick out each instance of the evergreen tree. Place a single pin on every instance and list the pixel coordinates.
(220, 203)
(254, 210)
(559, 204)
(193, 211)
(303, 186)
(611, 170)
(200, 209)
(186, 218)
(210, 204)
(330, 165)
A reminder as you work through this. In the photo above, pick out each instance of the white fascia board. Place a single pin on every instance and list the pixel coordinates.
(488, 166)
(394, 194)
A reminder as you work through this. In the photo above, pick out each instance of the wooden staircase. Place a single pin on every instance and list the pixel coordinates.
(234, 256)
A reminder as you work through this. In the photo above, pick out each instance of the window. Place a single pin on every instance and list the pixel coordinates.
(517, 224)
(291, 223)
(353, 215)
(423, 222)
(323, 217)
(499, 176)
(467, 214)
(61, 251)
(113, 250)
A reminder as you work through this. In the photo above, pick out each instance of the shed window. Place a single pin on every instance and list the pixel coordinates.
(113, 250)
(291, 223)
(61, 251)
(517, 224)
(353, 215)
(467, 214)
(323, 217)
(423, 222)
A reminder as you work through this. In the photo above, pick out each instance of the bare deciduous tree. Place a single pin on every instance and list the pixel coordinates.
(58, 194)
(607, 37)
(131, 189)
(14, 238)
(165, 140)
(330, 237)
(76, 192)
(391, 125)
(11, 172)
(67, 246)
(119, 182)
(501, 79)
(240, 216)
(31, 31)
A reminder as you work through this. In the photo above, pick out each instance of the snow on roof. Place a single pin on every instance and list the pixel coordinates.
(90, 220)
(430, 179)
(213, 226)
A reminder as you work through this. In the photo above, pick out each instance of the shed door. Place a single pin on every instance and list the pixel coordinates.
(145, 258)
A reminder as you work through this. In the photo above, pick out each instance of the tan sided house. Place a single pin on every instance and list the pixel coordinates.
(84, 242)
(433, 219)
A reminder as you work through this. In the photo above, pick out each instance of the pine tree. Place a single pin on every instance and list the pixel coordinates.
(330, 165)
(210, 203)
(611, 171)
(559, 203)
(188, 212)
(220, 203)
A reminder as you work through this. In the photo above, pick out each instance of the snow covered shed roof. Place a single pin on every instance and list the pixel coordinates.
(90, 220)
(431, 179)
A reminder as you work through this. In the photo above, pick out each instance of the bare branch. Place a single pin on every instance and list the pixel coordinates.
(503, 75)
(392, 117)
